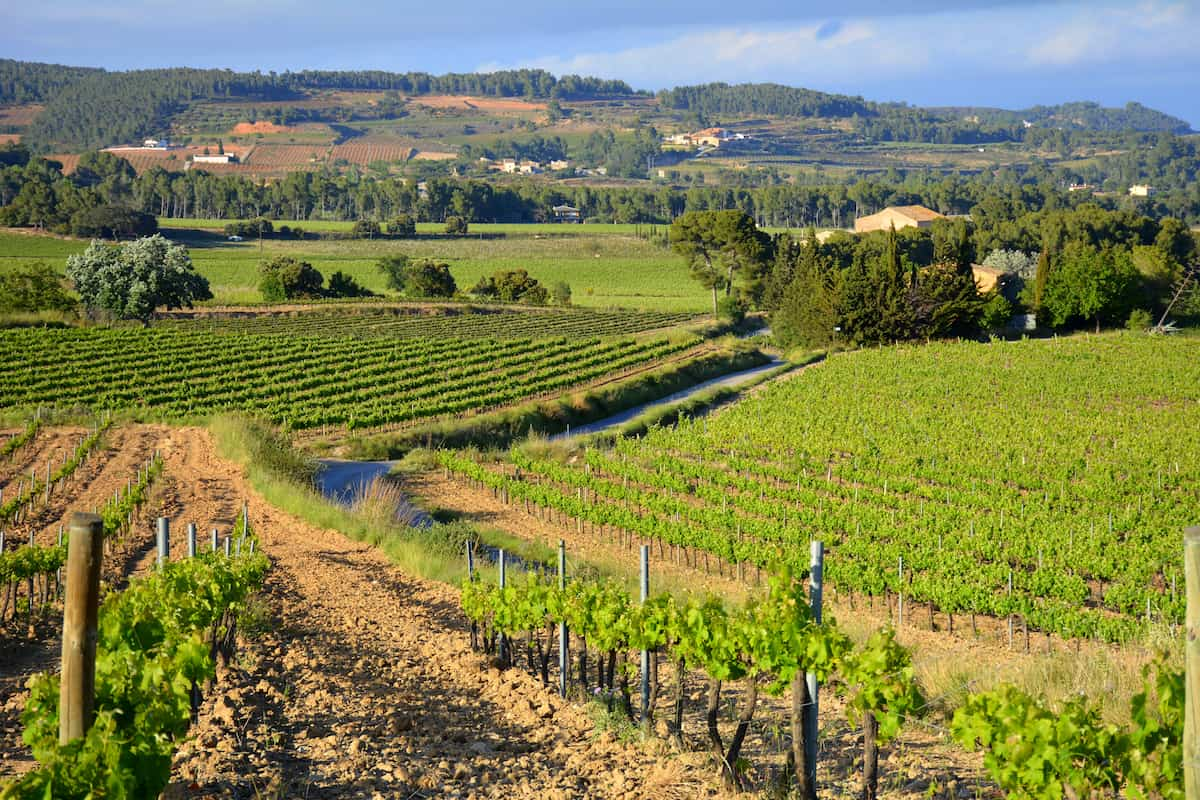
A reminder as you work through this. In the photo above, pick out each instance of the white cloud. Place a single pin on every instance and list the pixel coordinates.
(1145, 31)
(813, 52)
(862, 53)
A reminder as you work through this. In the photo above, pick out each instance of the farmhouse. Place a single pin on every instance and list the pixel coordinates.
(565, 213)
(218, 158)
(1141, 190)
(897, 217)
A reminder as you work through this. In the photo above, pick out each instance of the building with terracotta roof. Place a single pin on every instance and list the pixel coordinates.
(897, 217)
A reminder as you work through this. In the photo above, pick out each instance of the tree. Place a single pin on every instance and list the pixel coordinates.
(807, 313)
(286, 278)
(365, 229)
(511, 286)
(721, 246)
(343, 285)
(130, 280)
(456, 226)
(429, 279)
(402, 227)
(1090, 284)
(395, 270)
(34, 287)
(560, 293)
(113, 222)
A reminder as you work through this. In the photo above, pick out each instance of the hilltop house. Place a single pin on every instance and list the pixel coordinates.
(897, 217)
(565, 213)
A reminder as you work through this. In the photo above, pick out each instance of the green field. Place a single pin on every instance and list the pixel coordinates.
(604, 270)
(1046, 479)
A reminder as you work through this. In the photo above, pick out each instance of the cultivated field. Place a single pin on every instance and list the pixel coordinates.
(604, 265)
(1043, 481)
(302, 381)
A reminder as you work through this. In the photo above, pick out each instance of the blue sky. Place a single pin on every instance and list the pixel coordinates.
(1011, 54)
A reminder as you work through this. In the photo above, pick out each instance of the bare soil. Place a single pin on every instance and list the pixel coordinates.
(360, 682)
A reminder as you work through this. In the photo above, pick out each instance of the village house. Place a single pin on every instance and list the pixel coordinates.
(897, 217)
(1141, 190)
(565, 213)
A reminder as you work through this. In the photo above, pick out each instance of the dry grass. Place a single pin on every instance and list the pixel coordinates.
(382, 502)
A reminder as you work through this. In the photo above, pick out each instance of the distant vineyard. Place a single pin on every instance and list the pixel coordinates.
(470, 325)
(1045, 480)
(366, 152)
(300, 381)
(286, 155)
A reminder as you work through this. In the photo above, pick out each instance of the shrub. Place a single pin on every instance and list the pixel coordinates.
(343, 285)
(285, 278)
(365, 229)
(402, 227)
(456, 226)
(1139, 320)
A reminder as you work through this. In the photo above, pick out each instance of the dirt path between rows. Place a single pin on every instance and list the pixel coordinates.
(362, 683)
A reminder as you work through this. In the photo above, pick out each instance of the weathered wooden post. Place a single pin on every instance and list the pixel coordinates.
(815, 590)
(1191, 745)
(503, 639)
(77, 692)
(645, 595)
(564, 640)
(164, 541)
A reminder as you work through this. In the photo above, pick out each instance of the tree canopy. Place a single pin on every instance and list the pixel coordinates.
(130, 280)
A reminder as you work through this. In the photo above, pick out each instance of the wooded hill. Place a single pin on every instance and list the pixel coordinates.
(90, 108)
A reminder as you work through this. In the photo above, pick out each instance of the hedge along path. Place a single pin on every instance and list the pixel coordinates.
(365, 683)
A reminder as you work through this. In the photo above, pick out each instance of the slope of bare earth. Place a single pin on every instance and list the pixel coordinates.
(362, 684)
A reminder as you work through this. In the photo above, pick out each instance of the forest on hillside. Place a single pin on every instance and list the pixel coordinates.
(94, 108)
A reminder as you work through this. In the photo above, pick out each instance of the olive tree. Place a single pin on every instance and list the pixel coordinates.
(128, 281)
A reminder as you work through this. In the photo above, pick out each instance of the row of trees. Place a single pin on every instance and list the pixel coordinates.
(1092, 266)
(34, 192)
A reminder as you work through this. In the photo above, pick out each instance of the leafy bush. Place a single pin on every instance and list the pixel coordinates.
(343, 285)
(456, 226)
(402, 226)
(286, 278)
(1139, 320)
(35, 287)
(366, 229)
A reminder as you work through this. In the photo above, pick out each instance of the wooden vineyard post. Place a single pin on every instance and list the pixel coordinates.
(1191, 746)
(815, 589)
(191, 540)
(215, 540)
(564, 641)
(645, 595)
(503, 582)
(77, 692)
(164, 541)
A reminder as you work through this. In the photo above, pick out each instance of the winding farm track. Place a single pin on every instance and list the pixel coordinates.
(362, 683)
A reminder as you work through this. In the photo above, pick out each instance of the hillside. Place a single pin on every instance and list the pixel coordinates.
(94, 108)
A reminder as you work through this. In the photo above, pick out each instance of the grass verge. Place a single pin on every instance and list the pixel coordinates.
(284, 477)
